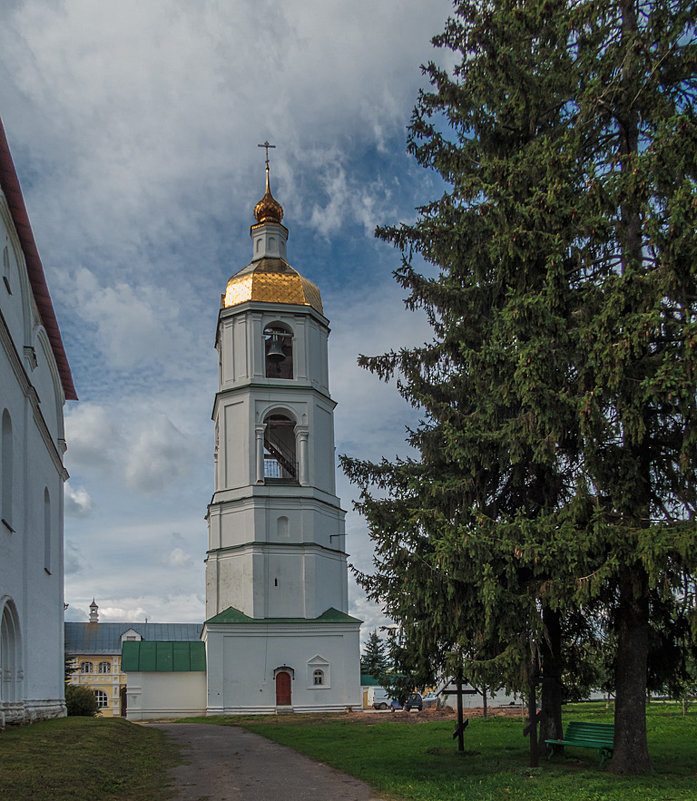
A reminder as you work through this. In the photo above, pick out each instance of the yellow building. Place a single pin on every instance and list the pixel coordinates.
(94, 649)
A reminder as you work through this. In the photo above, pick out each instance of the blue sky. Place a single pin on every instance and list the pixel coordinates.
(134, 129)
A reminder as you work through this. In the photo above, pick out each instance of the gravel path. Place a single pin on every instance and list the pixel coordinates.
(226, 763)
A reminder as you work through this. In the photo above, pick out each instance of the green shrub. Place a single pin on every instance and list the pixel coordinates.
(80, 701)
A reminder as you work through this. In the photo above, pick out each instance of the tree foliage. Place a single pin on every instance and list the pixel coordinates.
(556, 471)
(80, 701)
(374, 658)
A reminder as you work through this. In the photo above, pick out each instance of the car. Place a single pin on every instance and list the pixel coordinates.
(414, 701)
(381, 700)
(430, 701)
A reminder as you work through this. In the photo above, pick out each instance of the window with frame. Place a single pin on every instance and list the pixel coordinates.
(318, 677)
(86, 667)
(102, 699)
(6, 470)
(104, 667)
(47, 531)
(6, 268)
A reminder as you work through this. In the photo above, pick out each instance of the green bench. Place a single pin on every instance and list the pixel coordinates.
(600, 736)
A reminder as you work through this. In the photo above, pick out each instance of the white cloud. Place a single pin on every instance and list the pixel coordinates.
(73, 560)
(91, 435)
(136, 326)
(158, 455)
(108, 614)
(77, 502)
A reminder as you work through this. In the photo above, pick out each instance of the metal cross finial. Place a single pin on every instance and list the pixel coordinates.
(267, 146)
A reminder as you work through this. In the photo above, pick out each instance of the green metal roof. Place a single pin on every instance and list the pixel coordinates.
(232, 615)
(369, 681)
(163, 657)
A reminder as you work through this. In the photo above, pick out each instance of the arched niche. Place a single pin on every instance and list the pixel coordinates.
(10, 656)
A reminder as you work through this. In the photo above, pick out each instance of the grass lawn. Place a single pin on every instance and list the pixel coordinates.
(84, 759)
(421, 762)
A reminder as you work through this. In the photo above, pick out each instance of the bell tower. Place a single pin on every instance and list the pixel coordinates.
(276, 547)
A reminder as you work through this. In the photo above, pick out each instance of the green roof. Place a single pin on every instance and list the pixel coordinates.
(232, 615)
(164, 657)
(369, 681)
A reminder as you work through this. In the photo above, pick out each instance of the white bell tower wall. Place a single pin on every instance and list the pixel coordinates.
(276, 530)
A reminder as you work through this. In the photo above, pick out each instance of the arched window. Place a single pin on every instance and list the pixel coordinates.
(10, 650)
(6, 471)
(278, 351)
(47, 531)
(280, 464)
(318, 677)
(86, 667)
(104, 667)
(102, 699)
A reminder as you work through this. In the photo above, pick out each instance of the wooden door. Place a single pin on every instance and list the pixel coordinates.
(283, 688)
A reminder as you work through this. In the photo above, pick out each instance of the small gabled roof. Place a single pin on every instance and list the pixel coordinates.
(163, 657)
(13, 192)
(105, 638)
(331, 615)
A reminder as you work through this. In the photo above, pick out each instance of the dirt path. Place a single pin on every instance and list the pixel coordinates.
(226, 763)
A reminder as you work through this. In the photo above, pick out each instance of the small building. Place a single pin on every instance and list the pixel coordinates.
(368, 686)
(165, 679)
(95, 651)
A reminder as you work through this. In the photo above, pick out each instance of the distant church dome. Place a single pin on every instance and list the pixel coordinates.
(269, 278)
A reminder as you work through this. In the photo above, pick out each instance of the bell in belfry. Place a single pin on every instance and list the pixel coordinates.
(275, 352)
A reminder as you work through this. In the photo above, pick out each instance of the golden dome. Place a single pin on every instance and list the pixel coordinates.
(268, 209)
(271, 280)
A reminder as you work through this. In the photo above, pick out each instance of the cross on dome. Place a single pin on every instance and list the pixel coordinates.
(268, 209)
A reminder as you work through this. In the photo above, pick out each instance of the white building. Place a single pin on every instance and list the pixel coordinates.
(277, 633)
(35, 382)
(278, 636)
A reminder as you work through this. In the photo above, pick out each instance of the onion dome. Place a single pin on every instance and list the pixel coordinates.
(268, 209)
(270, 280)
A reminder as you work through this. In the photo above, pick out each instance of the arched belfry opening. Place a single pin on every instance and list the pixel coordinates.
(280, 460)
(278, 351)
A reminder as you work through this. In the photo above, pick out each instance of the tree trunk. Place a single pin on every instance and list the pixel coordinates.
(550, 715)
(532, 723)
(631, 748)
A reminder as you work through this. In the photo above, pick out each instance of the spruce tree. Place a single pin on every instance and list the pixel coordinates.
(374, 659)
(557, 467)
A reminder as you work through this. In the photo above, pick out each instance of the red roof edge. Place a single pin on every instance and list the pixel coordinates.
(13, 192)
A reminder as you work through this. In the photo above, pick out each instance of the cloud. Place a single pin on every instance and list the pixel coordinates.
(77, 502)
(91, 435)
(73, 560)
(179, 558)
(159, 454)
(108, 614)
(75, 615)
(134, 328)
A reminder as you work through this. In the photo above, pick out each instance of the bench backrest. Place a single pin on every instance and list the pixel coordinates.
(591, 732)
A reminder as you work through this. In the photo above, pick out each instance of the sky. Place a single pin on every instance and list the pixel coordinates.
(134, 129)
